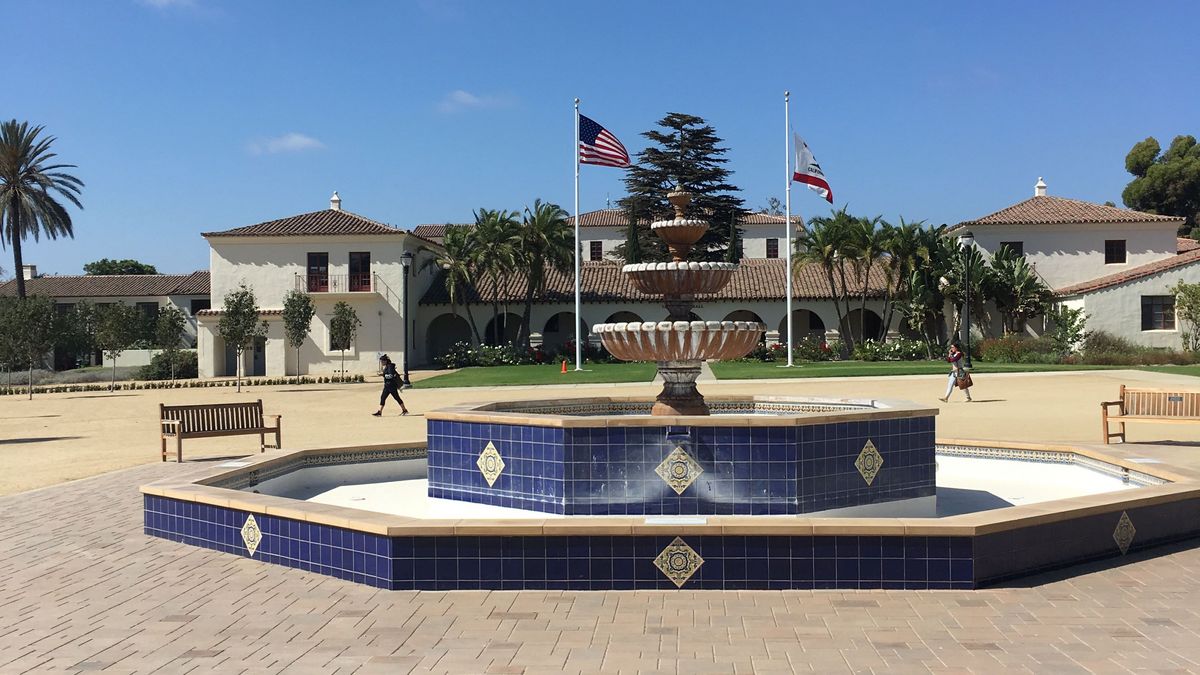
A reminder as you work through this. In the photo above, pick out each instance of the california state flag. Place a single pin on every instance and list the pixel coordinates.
(807, 171)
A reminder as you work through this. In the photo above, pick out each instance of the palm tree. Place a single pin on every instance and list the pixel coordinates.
(455, 261)
(28, 183)
(545, 240)
(493, 256)
(866, 242)
(821, 243)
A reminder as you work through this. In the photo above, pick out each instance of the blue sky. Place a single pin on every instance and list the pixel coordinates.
(186, 116)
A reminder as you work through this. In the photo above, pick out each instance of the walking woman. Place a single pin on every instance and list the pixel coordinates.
(957, 374)
(391, 386)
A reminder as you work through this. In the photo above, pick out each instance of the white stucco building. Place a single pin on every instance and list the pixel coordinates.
(333, 255)
(1115, 264)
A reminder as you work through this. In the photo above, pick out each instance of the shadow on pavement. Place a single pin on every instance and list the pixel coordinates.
(1078, 570)
(37, 439)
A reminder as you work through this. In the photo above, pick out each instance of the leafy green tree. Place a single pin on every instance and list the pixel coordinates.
(28, 185)
(685, 151)
(733, 251)
(455, 260)
(544, 241)
(1068, 329)
(298, 313)
(493, 256)
(343, 327)
(773, 206)
(640, 245)
(1187, 313)
(118, 267)
(168, 335)
(118, 327)
(239, 326)
(1166, 183)
(28, 324)
(76, 331)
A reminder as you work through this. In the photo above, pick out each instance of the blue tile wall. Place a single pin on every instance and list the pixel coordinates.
(746, 470)
(576, 563)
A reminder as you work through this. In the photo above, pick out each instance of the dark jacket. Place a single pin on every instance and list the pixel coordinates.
(390, 378)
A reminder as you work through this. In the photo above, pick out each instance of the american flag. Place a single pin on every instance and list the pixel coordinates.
(598, 146)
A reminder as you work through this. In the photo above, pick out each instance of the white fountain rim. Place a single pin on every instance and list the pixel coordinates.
(679, 222)
(679, 326)
(679, 266)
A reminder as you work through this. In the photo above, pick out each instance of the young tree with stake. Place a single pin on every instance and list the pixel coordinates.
(343, 327)
(239, 326)
(298, 313)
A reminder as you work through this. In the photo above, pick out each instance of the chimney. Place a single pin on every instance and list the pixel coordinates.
(335, 202)
(28, 272)
(1039, 190)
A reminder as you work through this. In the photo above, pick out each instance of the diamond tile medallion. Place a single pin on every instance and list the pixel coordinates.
(490, 464)
(1124, 533)
(868, 463)
(251, 535)
(678, 562)
(679, 470)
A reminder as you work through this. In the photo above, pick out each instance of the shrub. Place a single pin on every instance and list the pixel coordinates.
(160, 368)
(1102, 342)
(815, 348)
(899, 349)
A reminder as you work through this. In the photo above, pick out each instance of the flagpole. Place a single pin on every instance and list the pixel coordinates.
(787, 213)
(578, 320)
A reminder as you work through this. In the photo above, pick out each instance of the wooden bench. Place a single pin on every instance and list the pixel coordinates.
(215, 419)
(1150, 405)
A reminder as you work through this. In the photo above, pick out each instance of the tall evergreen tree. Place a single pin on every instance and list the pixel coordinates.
(685, 151)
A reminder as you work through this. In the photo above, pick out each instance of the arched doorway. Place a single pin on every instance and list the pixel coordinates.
(622, 317)
(747, 315)
(856, 326)
(502, 329)
(444, 332)
(808, 324)
(558, 331)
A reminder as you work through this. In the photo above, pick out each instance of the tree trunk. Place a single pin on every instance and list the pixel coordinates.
(297, 361)
(524, 331)
(30, 379)
(343, 364)
(112, 385)
(238, 366)
(862, 312)
(837, 308)
(844, 296)
(15, 235)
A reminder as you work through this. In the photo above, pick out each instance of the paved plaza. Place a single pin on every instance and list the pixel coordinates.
(84, 589)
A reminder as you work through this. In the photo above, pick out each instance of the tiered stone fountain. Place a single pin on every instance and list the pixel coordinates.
(678, 344)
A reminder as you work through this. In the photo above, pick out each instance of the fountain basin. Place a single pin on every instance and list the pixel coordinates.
(680, 278)
(679, 340)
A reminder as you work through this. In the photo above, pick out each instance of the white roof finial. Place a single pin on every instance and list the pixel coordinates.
(1039, 190)
(335, 202)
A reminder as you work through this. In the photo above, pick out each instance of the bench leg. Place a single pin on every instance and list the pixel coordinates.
(262, 442)
(164, 447)
(1104, 425)
(179, 449)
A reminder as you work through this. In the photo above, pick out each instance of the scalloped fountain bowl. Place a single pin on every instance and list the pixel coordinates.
(679, 340)
(680, 278)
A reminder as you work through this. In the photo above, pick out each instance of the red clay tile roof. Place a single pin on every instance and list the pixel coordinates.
(317, 223)
(603, 281)
(1046, 210)
(111, 285)
(1183, 245)
(1132, 274)
(435, 233)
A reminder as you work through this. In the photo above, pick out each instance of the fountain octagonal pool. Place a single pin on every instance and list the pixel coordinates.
(216, 509)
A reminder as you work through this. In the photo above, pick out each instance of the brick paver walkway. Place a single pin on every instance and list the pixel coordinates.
(81, 588)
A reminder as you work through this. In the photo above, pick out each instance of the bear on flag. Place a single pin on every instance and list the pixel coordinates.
(807, 171)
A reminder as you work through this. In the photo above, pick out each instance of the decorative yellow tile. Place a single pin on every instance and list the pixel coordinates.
(679, 562)
(490, 464)
(251, 535)
(868, 462)
(1124, 533)
(679, 470)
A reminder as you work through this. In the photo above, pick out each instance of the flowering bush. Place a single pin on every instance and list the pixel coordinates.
(898, 349)
(464, 354)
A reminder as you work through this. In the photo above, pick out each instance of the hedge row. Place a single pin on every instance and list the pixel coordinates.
(180, 384)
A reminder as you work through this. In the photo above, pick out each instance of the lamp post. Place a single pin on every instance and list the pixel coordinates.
(406, 261)
(966, 241)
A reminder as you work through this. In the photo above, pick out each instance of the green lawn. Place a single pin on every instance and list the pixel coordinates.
(743, 370)
(596, 373)
(593, 373)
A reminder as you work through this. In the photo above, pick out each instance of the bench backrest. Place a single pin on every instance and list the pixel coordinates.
(215, 416)
(1160, 403)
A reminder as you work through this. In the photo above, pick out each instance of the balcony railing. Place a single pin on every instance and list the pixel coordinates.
(335, 283)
